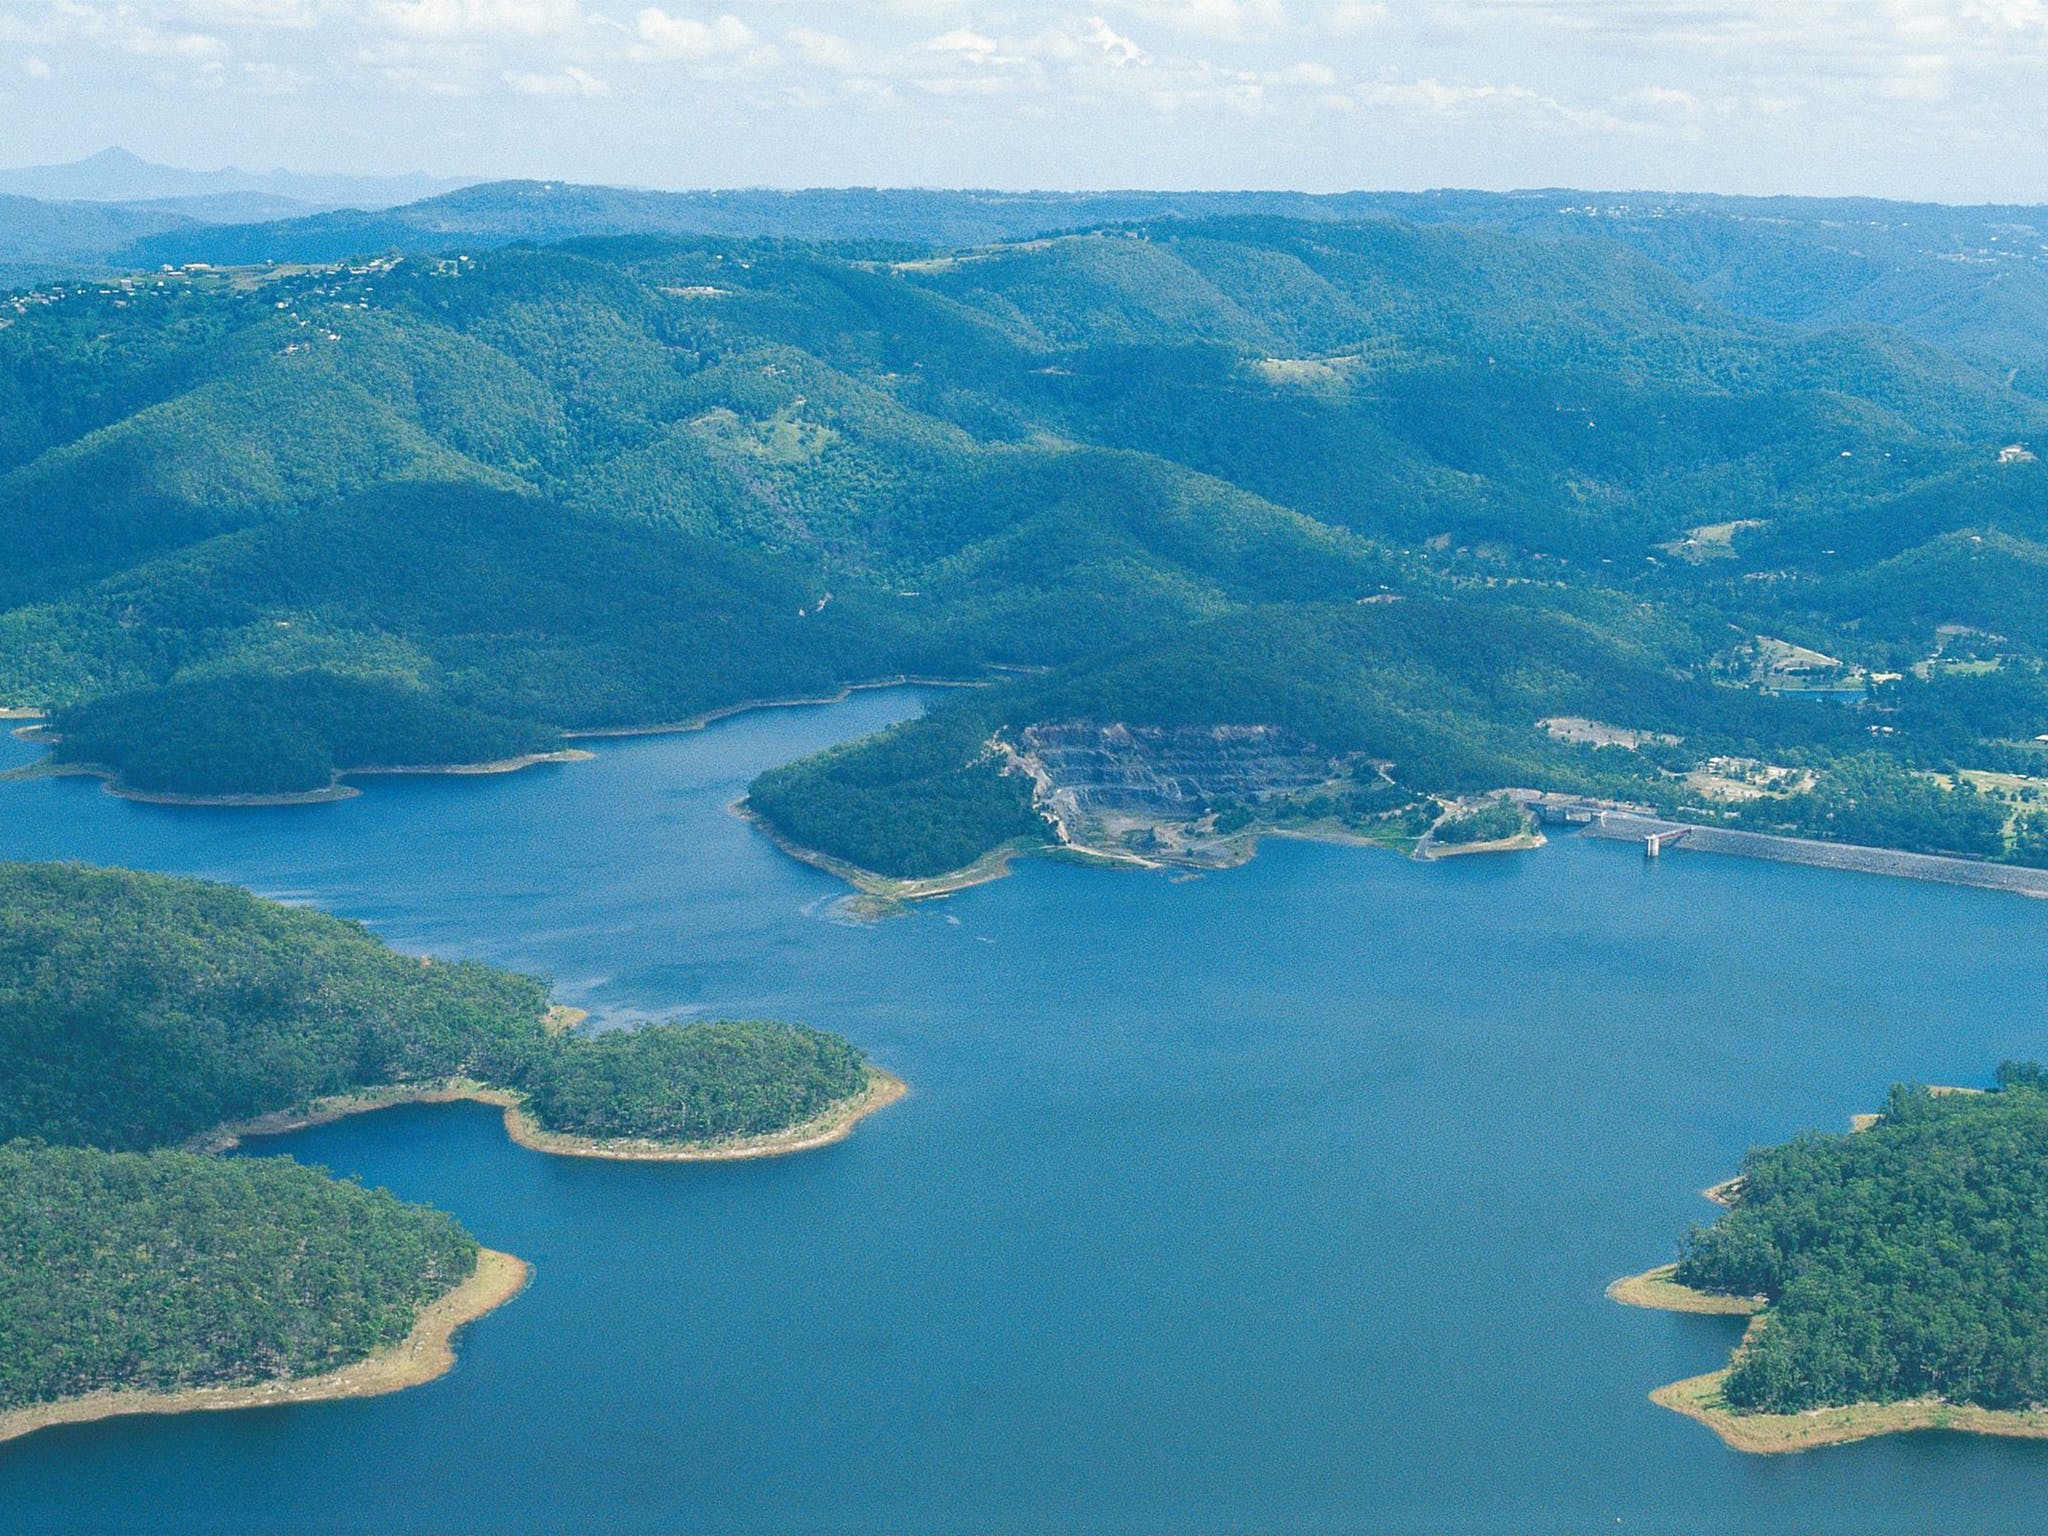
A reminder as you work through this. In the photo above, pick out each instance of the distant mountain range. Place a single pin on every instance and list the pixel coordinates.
(1973, 281)
(118, 176)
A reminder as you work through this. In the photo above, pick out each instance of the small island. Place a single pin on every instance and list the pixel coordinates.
(1890, 1274)
(148, 1021)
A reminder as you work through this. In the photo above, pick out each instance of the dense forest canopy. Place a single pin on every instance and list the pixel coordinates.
(694, 1082)
(137, 1011)
(1902, 1261)
(1418, 473)
(165, 1271)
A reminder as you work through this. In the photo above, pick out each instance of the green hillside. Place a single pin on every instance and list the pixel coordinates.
(1444, 694)
(137, 1011)
(276, 523)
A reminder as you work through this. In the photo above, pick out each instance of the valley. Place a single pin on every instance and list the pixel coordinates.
(417, 582)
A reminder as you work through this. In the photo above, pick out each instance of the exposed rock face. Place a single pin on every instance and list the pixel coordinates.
(1171, 774)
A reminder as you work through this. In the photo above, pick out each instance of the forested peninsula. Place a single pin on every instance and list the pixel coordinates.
(1893, 1275)
(145, 1020)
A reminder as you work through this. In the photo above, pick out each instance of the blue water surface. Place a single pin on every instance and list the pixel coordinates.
(1280, 1200)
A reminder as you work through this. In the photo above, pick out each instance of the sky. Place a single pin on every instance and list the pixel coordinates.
(1936, 99)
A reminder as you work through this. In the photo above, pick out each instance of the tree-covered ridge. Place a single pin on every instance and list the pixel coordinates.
(1902, 1261)
(694, 1082)
(165, 1271)
(500, 492)
(139, 1010)
(242, 733)
(924, 799)
(1950, 276)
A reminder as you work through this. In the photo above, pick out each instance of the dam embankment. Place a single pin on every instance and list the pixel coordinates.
(1623, 827)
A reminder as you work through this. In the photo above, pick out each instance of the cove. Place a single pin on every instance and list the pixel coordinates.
(1279, 1200)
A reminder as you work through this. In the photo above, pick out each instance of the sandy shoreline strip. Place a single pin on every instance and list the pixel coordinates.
(1773, 1434)
(835, 1124)
(1431, 852)
(1777, 1434)
(1656, 1289)
(421, 1356)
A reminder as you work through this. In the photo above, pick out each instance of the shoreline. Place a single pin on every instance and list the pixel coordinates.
(726, 712)
(1656, 1291)
(1780, 1434)
(1430, 851)
(880, 895)
(887, 892)
(1771, 1434)
(340, 789)
(423, 1355)
(495, 765)
(835, 1124)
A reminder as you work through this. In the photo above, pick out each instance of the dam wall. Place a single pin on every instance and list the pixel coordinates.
(1799, 850)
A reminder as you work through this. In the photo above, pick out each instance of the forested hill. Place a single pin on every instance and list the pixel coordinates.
(137, 1011)
(1899, 1262)
(269, 524)
(1974, 280)
(169, 1271)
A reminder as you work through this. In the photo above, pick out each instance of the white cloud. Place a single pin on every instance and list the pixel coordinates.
(687, 40)
(36, 68)
(1661, 98)
(252, 13)
(569, 82)
(460, 20)
(1110, 44)
(968, 44)
(1232, 21)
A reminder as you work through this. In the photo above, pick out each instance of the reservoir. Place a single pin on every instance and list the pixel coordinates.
(1279, 1200)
